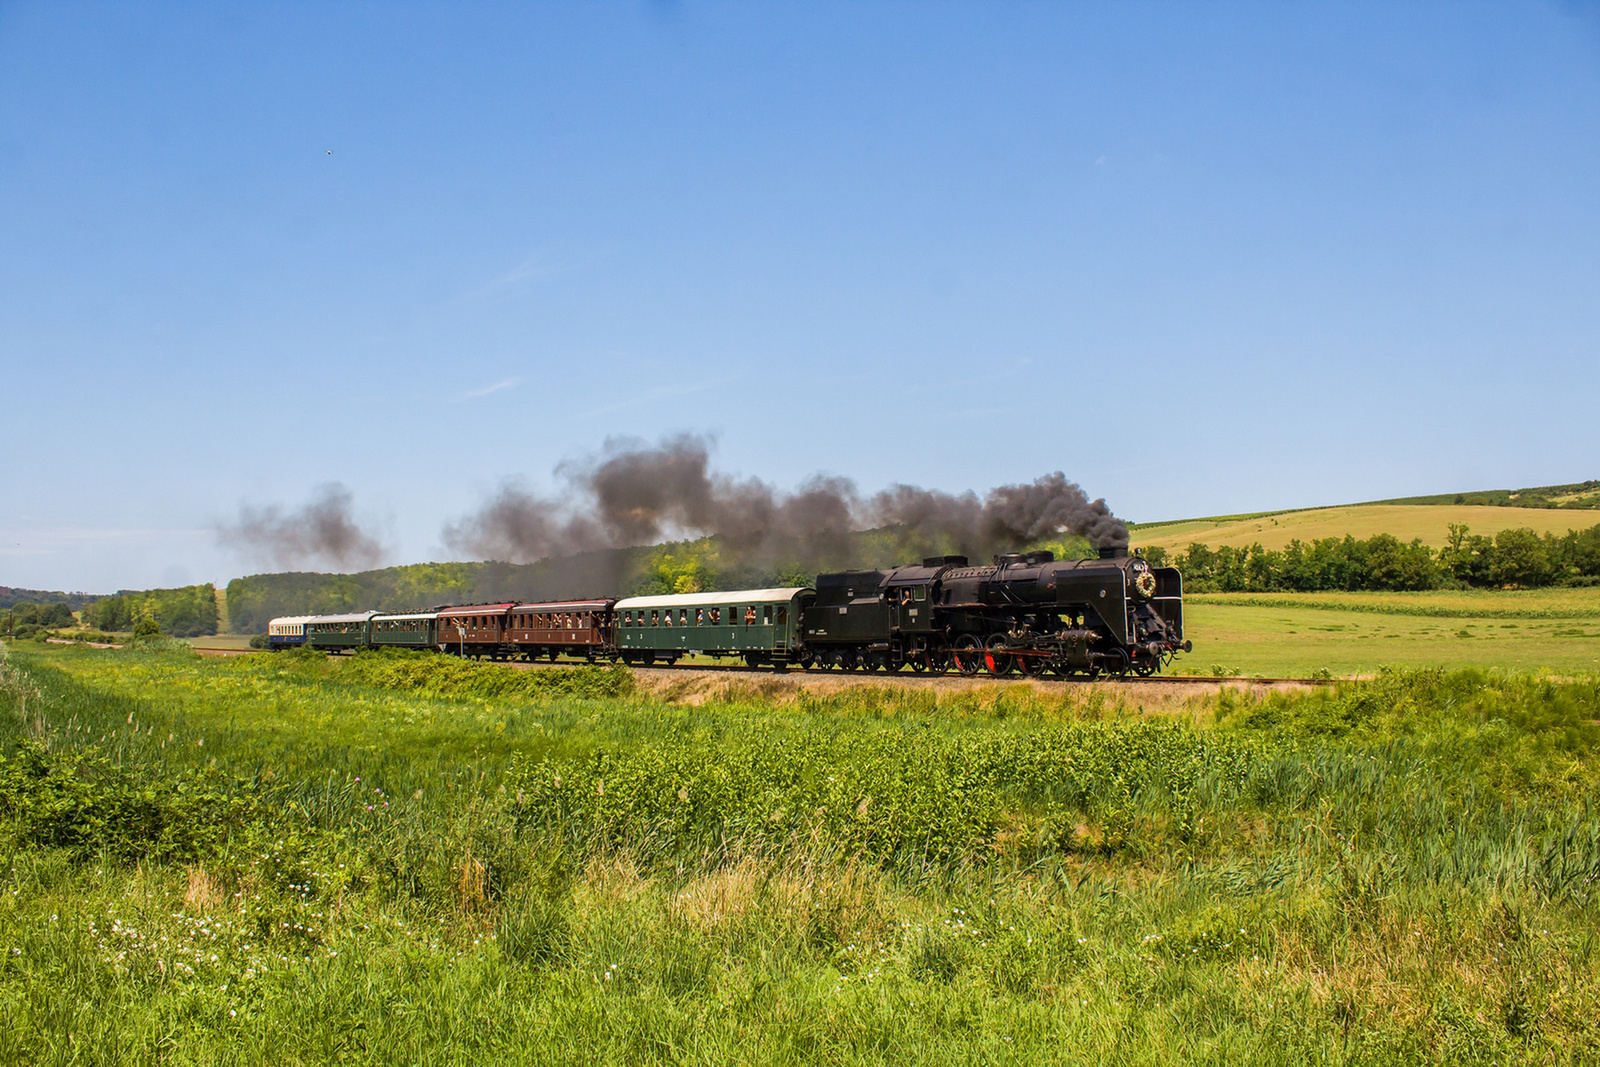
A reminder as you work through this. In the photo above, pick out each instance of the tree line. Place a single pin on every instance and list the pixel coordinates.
(1516, 558)
(188, 611)
(23, 620)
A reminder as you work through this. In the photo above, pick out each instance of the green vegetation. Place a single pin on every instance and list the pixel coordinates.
(387, 859)
(24, 620)
(188, 611)
(1585, 495)
(11, 597)
(1514, 558)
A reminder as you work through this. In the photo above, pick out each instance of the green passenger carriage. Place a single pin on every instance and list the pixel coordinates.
(336, 632)
(411, 630)
(757, 625)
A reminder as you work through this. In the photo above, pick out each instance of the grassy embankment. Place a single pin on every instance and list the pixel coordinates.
(391, 859)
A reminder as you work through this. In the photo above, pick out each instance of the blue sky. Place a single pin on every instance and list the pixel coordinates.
(1201, 257)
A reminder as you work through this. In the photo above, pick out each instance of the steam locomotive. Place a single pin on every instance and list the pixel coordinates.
(1026, 612)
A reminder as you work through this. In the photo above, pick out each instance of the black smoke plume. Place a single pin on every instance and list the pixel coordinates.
(636, 494)
(322, 532)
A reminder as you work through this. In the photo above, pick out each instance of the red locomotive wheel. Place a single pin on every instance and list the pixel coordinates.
(968, 654)
(996, 658)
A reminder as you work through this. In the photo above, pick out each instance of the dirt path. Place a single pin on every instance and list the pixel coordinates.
(690, 685)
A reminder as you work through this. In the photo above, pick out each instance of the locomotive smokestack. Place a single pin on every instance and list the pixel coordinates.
(1113, 551)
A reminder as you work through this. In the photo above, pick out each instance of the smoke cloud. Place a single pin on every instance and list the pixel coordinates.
(638, 494)
(324, 531)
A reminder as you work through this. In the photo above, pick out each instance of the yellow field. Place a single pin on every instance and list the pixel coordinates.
(1430, 522)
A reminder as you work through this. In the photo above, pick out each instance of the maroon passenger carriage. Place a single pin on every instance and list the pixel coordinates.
(474, 630)
(561, 627)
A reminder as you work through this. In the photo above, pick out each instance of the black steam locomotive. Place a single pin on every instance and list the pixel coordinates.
(1027, 612)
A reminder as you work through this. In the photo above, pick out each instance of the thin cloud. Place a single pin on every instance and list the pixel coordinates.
(509, 383)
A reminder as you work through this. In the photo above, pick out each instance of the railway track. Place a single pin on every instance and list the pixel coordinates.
(901, 676)
(981, 676)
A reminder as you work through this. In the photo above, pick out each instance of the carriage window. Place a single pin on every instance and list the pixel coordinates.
(783, 615)
(654, 621)
(921, 593)
(766, 615)
(716, 616)
(699, 617)
(750, 615)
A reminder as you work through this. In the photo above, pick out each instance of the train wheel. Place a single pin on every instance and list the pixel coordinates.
(919, 662)
(1145, 668)
(968, 654)
(996, 659)
(1029, 665)
(1118, 663)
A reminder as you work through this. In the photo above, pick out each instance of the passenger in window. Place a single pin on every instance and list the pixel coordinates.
(750, 615)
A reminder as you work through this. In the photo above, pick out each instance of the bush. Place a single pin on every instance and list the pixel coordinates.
(146, 626)
(446, 676)
(82, 802)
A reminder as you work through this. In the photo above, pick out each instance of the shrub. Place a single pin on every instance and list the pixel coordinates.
(446, 676)
(81, 802)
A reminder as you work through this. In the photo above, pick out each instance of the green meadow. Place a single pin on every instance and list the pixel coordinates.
(408, 859)
(1295, 635)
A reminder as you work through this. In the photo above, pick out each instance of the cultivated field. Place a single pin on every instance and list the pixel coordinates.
(1431, 522)
(1296, 634)
(394, 858)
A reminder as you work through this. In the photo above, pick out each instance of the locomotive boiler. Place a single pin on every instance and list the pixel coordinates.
(1026, 612)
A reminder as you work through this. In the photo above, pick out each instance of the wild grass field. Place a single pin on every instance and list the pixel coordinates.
(1430, 522)
(1295, 635)
(383, 859)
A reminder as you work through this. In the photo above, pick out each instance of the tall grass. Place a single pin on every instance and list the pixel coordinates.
(302, 860)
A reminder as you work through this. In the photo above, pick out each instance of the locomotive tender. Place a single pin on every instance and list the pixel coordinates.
(1025, 612)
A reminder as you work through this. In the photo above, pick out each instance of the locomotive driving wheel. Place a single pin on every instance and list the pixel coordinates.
(968, 654)
(996, 658)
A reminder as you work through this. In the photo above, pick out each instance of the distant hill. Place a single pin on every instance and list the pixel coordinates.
(1551, 509)
(1581, 495)
(1430, 522)
(10, 597)
(254, 600)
